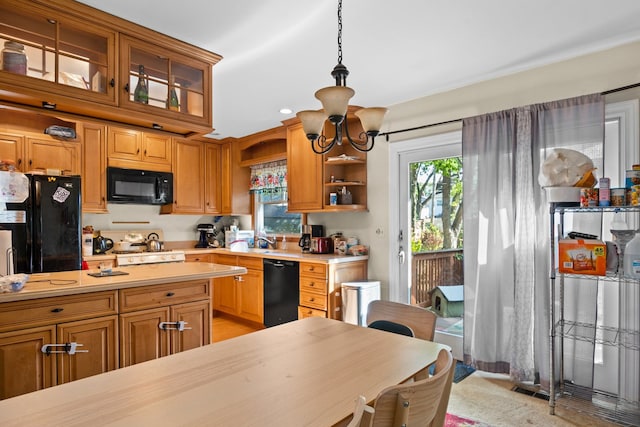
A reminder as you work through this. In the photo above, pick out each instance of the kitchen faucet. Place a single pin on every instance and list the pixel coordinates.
(271, 243)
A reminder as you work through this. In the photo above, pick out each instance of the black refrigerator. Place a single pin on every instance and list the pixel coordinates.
(46, 228)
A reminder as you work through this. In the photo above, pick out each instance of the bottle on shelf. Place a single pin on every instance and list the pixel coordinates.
(141, 93)
(173, 103)
(631, 263)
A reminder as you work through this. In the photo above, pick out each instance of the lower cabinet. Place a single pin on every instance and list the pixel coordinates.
(321, 287)
(159, 320)
(50, 341)
(240, 295)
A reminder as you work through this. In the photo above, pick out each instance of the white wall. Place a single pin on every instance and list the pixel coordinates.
(142, 217)
(592, 73)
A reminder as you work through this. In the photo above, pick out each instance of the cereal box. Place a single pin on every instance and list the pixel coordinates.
(579, 256)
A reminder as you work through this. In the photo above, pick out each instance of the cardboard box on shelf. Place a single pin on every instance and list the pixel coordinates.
(578, 256)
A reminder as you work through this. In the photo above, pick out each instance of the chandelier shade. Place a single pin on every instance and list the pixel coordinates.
(335, 104)
(335, 100)
(312, 122)
(371, 119)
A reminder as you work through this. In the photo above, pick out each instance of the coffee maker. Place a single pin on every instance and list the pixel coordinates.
(309, 231)
(207, 232)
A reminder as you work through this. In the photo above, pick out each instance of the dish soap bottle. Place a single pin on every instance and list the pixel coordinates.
(631, 263)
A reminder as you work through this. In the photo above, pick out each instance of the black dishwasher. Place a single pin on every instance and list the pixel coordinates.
(281, 291)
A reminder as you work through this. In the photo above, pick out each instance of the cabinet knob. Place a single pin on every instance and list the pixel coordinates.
(312, 284)
(57, 310)
(19, 162)
(170, 294)
(126, 88)
(112, 83)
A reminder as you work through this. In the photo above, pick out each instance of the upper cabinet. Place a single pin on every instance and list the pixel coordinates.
(166, 83)
(128, 148)
(313, 177)
(66, 56)
(48, 52)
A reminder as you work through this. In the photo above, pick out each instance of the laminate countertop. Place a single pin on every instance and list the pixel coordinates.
(42, 285)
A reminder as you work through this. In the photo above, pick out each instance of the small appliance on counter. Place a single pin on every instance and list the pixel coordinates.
(207, 236)
(309, 231)
(321, 245)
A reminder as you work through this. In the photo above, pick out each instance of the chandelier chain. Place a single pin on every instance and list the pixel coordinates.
(340, 32)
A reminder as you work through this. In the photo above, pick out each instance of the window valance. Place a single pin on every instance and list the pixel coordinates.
(269, 181)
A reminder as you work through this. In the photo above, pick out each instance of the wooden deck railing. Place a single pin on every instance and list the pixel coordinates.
(431, 269)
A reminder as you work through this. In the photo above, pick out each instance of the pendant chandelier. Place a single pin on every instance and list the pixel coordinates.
(335, 102)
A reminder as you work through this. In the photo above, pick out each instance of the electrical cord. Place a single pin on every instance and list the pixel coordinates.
(55, 282)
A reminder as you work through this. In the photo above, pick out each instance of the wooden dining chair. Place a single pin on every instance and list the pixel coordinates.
(415, 404)
(420, 320)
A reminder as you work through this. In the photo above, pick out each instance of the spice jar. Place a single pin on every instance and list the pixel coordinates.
(14, 59)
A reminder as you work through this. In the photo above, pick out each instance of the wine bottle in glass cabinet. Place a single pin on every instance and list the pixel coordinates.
(141, 93)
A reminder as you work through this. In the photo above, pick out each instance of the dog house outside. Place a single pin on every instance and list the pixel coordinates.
(448, 301)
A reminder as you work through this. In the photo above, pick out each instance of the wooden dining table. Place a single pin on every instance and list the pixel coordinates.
(303, 373)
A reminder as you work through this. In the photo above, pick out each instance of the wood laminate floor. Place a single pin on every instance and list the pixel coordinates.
(225, 327)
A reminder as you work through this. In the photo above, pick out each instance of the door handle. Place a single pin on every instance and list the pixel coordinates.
(69, 348)
(401, 256)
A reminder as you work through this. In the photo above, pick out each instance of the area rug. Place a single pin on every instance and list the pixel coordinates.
(456, 421)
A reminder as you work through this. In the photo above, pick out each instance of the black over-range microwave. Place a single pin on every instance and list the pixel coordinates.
(140, 187)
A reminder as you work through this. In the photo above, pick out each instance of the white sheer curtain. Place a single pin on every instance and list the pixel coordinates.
(506, 251)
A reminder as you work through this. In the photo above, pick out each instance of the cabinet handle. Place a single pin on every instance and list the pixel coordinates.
(145, 153)
(170, 294)
(19, 162)
(112, 83)
(312, 299)
(126, 88)
(138, 151)
(57, 310)
(30, 162)
(238, 279)
(312, 284)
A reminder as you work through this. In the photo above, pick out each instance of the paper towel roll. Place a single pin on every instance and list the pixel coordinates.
(6, 253)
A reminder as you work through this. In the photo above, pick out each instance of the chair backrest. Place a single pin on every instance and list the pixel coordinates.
(416, 403)
(442, 365)
(421, 321)
(389, 326)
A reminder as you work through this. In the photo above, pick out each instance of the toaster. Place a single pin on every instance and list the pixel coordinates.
(321, 245)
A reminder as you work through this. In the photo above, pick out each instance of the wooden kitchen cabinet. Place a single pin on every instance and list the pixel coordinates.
(212, 178)
(312, 177)
(236, 198)
(240, 295)
(94, 168)
(196, 178)
(84, 61)
(321, 287)
(24, 367)
(304, 172)
(67, 57)
(165, 70)
(12, 148)
(44, 153)
(188, 172)
(150, 317)
(28, 326)
(99, 337)
(132, 149)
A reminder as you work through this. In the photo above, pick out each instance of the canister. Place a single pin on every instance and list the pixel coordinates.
(633, 195)
(588, 197)
(632, 178)
(618, 197)
(603, 192)
(14, 59)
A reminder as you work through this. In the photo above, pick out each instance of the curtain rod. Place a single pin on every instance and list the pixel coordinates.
(386, 134)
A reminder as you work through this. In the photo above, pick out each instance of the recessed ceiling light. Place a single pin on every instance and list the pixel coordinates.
(286, 110)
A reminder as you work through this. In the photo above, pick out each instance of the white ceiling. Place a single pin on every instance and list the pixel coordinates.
(277, 53)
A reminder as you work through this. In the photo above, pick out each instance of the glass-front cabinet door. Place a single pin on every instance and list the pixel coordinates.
(45, 50)
(164, 81)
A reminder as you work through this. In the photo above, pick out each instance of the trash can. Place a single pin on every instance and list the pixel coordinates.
(356, 297)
